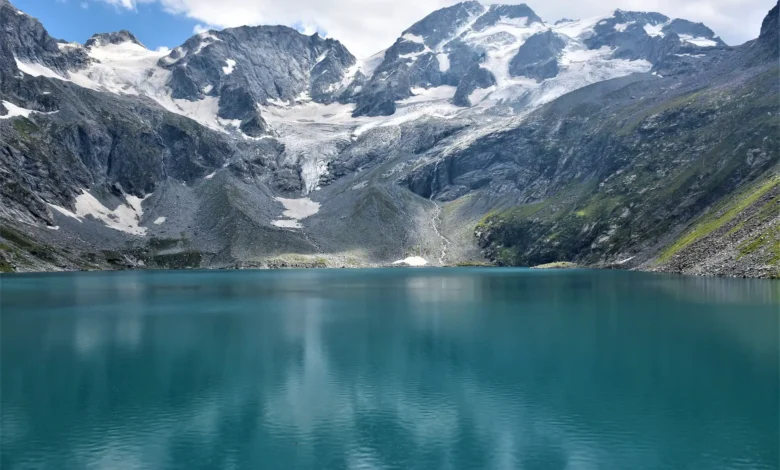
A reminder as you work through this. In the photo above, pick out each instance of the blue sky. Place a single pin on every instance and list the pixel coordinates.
(67, 19)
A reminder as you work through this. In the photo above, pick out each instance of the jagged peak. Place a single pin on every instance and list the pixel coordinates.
(498, 11)
(116, 37)
(771, 23)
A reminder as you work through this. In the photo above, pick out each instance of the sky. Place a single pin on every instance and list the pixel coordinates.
(364, 26)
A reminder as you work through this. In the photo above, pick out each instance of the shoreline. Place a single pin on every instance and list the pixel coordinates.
(564, 266)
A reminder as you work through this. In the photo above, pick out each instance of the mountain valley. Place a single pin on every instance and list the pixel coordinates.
(483, 136)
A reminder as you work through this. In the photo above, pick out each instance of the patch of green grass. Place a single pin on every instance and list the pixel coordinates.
(24, 242)
(708, 226)
(769, 239)
(25, 126)
(17, 238)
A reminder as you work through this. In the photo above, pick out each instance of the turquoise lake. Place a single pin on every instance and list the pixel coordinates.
(388, 369)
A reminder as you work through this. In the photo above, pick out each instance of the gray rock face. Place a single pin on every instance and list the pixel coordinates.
(270, 62)
(443, 24)
(697, 30)
(497, 12)
(476, 77)
(625, 32)
(537, 58)
(23, 38)
(118, 37)
(250, 66)
(410, 62)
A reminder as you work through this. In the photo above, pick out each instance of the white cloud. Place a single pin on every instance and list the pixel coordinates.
(200, 28)
(367, 26)
(84, 5)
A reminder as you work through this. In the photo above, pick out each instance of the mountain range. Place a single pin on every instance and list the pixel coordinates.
(482, 135)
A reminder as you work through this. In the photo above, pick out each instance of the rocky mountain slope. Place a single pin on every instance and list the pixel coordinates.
(483, 134)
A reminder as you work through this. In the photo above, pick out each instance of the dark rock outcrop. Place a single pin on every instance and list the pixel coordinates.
(537, 58)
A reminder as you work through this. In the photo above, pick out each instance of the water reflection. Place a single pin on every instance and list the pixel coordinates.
(411, 369)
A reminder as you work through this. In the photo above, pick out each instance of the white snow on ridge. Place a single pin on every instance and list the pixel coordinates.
(620, 27)
(698, 41)
(131, 69)
(126, 217)
(579, 67)
(413, 38)
(514, 33)
(231, 65)
(68, 45)
(580, 29)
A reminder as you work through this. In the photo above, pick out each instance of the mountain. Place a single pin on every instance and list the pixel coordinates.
(482, 135)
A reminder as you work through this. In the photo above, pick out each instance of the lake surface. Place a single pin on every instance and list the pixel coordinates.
(394, 368)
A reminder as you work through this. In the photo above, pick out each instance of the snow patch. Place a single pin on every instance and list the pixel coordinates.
(620, 27)
(38, 70)
(209, 176)
(444, 62)
(14, 111)
(126, 217)
(68, 45)
(321, 57)
(413, 38)
(159, 220)
(295, 210)
(578, 29)
(415, 261)
(698, 41)
(654, 30)
(131, 69)
(286, 223)
(231, 65)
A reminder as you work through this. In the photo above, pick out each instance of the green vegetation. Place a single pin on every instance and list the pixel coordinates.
(25, 126)
(43, 252)
(768, 240)
(711, 224)
(5, 266)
